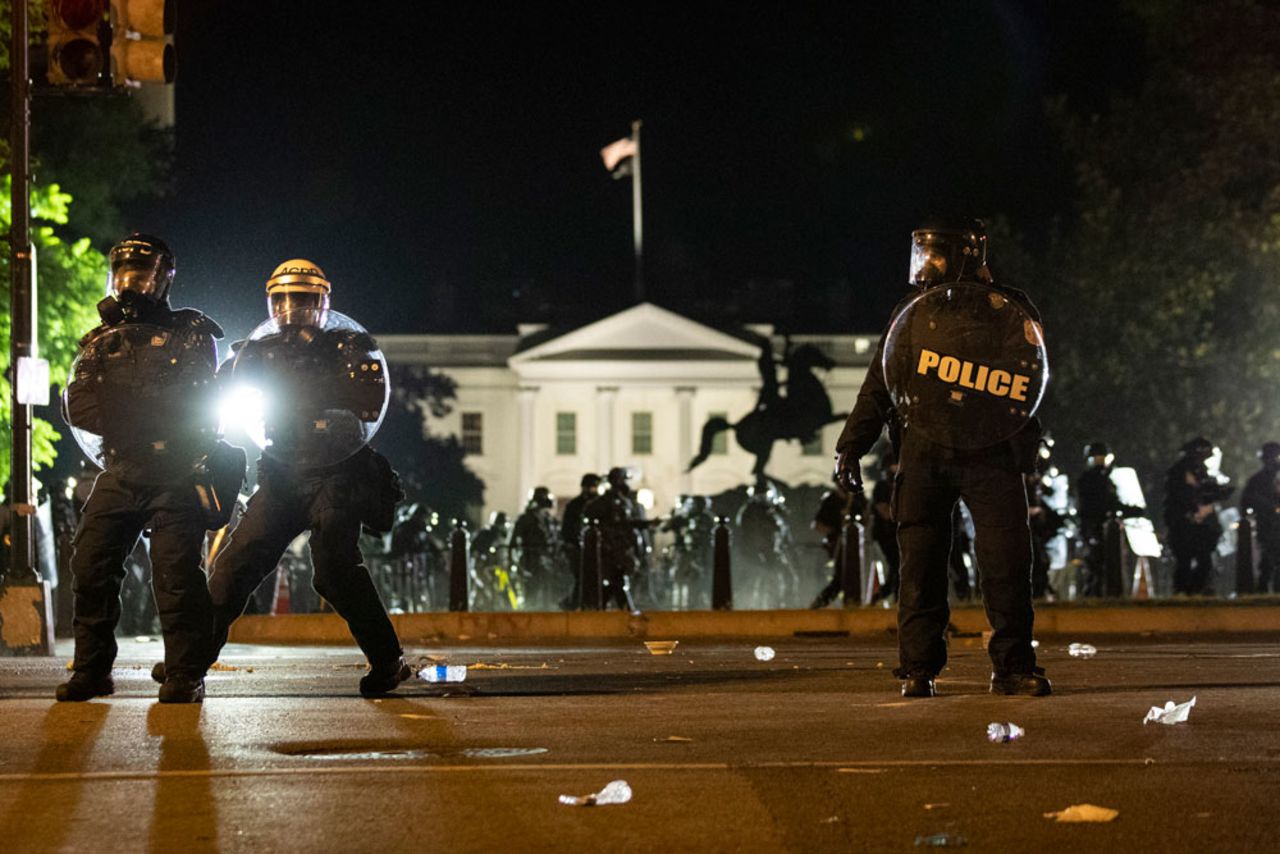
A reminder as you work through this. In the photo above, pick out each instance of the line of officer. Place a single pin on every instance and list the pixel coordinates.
(1262, 496)
(142, 386)
(299, 489)
(932, 477)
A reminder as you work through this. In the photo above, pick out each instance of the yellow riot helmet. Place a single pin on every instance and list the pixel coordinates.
(298, 293)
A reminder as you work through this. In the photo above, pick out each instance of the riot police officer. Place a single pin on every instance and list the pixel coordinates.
(1262, 496)
(1097, 500)
(943, 458)
(1192, 492)
(571, 536)
(534, 540)
(140, 401)
(324, 392)
(621, 521)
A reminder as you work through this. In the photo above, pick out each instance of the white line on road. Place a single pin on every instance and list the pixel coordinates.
(91, 776)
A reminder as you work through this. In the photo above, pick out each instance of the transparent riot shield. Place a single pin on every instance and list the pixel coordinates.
(308, 396)
(144, 391)
(965, 365)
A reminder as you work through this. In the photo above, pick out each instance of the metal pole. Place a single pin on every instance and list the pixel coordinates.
(721, 569)
(22, 300)
(458, 569)
(637, 213)
(851, 546)
(1245, 562)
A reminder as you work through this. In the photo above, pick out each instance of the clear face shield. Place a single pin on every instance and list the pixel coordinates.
(141, 275)
(929, 264)
(298, 307)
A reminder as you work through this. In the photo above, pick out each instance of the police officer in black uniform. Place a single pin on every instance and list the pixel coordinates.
(324, 388)
(1262, 496)
(571, 536)
(535, 540)
(1192, 493)
(933, 476)
(621, 521)
(1097, 500)
(143, 385)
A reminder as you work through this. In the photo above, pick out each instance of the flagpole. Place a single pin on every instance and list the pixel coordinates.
(637, 214)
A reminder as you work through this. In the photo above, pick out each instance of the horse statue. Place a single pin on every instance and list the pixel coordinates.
(797, 415)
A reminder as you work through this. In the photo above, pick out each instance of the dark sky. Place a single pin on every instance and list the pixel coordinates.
(440, 160)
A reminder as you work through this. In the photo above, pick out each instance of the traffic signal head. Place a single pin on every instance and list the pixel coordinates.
(77, 56)
(140, 48)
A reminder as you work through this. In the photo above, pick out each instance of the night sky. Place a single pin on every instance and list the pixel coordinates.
(440, 160)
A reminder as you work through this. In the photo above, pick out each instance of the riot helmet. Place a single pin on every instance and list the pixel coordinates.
(590, 482)
(298, 293)
(141, 269)
(947, 251)
(618, 478)
(1098, 455)
(542, 498)
(1270, 455)
(1198, 448)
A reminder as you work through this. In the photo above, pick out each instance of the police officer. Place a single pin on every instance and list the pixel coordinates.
(932, 476)
(143, 384)
(621, 521)
(304, 482)
(1191, 495)
(535, 539)
(1262, 496)
(571, 536)
(1097, 500)
(764, 545)
(828, 522)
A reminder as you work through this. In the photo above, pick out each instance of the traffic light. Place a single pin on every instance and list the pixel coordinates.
(77, 30)
(141, 51)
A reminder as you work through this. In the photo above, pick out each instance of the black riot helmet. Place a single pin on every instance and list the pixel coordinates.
(142, 268)
(1098, 454)
(946, 251)
(1270, 454)
(542, 498)
(1198, 448)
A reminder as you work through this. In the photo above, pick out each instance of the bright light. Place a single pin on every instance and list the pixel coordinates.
(645, 498)
(243, 409)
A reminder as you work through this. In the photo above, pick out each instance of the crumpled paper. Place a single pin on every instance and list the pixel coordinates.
(1171, 713)
(617, 792)
(1083, 812)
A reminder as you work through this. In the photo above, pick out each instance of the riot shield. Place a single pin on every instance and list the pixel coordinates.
(144, 391)
(308, 396)
(965, 365)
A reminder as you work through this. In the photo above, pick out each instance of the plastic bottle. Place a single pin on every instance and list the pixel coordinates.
(1001, 733)
(1082, 650)
(443, 673)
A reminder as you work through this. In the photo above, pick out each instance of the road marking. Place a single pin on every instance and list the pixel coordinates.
(90, 776)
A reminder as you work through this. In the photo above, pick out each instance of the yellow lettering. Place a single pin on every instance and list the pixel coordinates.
(980, 382)
(998, 384)
(928, 359)
(1019, 389)
(949, 369)
(966, 375)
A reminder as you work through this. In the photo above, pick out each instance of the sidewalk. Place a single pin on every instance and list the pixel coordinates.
(1259, 616)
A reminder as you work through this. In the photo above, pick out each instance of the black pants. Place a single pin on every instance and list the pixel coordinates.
(279, 511)
(886, 537)
(1268, 554)
(926, 492)
(115, 515)
(1193, 559)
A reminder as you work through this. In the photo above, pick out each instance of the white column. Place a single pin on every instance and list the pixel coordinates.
(606, 398)
(684, 440)
(527, 397)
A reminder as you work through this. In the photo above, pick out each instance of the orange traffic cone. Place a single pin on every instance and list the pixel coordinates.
(280, 605)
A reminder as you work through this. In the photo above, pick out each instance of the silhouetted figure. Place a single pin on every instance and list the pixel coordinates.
(1193, 489)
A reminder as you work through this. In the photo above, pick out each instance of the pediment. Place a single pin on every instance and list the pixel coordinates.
(644, 332)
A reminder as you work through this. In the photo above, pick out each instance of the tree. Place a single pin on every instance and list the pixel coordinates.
(432, 468)
(1160, 293)
(69, 284)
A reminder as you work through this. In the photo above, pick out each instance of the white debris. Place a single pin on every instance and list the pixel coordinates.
(617, 792)
(764, 653)
(1171, 713)
(1082, 650)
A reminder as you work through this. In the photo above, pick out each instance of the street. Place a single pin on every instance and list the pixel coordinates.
(812, 751)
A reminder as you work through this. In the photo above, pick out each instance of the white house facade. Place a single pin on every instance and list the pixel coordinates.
(541, 407)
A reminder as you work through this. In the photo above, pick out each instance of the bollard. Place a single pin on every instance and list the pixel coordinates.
(721, 574)
(1245, 562)
(851, 546)
(458, 569)
(589, 582)
(1113, 556)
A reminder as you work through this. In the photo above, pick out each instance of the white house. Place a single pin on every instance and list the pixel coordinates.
(542, 407)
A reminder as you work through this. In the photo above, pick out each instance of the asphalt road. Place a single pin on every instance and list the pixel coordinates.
(813, 751)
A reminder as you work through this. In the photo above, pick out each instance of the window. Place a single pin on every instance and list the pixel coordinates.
(566, 433)
(720, 444)
(642, 433)
(814, 448)
(473, 433)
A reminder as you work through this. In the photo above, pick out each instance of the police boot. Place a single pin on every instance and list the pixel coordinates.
(385, 677)
(918, 685)
(157, 672)
(1031, 684)
(83, 686)
(181, 688)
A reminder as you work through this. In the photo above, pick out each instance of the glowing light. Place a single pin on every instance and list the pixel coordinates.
(644, 497)
(243, 409)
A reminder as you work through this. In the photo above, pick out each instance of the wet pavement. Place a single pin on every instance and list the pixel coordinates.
(812, 751)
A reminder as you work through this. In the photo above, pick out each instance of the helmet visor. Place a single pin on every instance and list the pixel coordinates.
(138, 274)
(928, 259)
(299, 308)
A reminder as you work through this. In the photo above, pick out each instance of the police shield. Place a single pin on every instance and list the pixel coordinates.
(309, 396)
(143, 391)
(965, 365)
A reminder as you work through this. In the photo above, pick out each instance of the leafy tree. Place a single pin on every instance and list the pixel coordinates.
(1160, 295)
(70, 277)
(432, 468)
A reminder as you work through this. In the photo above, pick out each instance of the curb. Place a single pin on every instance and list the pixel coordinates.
(419, 629)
